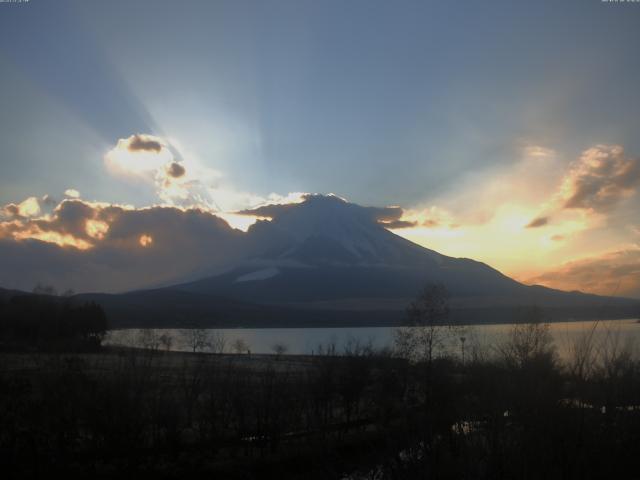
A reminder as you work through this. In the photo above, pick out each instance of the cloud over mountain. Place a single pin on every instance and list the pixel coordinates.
(99, 246)
(389, 217)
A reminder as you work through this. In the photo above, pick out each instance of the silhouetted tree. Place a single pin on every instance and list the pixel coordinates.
(166, 340)
(240, 346)
(148, 339)
(279, 349)
(528, 339)
(41, 289)
(217, 342)
(47, 322)
(197, 339)
(427, 329)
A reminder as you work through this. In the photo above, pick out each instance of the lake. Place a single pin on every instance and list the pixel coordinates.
(619, 333)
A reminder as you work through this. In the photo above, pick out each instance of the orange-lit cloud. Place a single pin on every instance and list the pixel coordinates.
(96, 229)
(517, 219)
(611, 273)
(104, 247)
(60, 239)
(27, 208)
(527, 220)
(431, 217)
(146, 240)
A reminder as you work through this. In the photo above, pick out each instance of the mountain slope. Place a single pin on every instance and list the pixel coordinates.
(327, 253)
(328, 230)
(326, 262)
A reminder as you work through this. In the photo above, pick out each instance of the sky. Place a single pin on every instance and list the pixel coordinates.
(506, 131)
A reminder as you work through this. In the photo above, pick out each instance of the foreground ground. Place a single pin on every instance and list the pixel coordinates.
(134, 413)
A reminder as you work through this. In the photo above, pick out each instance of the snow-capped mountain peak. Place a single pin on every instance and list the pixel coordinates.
(329, 230)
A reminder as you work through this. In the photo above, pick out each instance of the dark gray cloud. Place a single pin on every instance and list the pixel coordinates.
(538, 222)
(147, 143)
(175, 170)
(386, 216)
(268, 211)
(398, 224)
(69, 217)
(98, 247)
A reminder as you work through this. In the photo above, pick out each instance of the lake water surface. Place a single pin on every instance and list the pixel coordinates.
(605, 333)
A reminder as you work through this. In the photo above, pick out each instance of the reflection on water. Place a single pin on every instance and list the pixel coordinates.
(608, 333)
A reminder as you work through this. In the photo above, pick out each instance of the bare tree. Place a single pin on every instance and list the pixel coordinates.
(41, 289)
(475, 347)
(197, 339)
(528, 339)
(354, 347)
(166, 340)
(240, 346)
(428, 329)
(148, 339)
(217, 342)
(279, 349)
(582, 361)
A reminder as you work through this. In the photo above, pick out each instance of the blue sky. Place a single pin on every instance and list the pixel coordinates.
(403, 103)
(400, 98)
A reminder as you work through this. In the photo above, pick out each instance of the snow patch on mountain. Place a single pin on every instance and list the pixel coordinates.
(258, 275)
(328, 230)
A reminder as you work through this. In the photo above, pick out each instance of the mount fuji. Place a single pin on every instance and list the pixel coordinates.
(326, 261)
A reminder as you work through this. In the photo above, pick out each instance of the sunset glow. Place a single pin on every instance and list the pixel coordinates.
(532, 171)
(332, 239)
(146, 240)
(127, 160)
(55, 238)
(97, 229)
